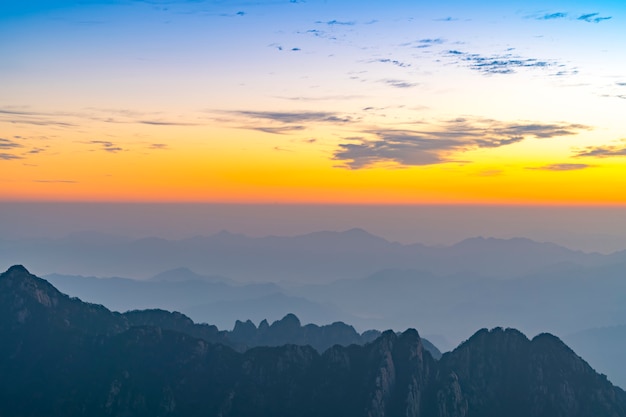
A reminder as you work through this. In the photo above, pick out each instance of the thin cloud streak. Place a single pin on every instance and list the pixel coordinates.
(8, 156)
(9, 144)
(607, 151)
(562, 167)
(107, 146)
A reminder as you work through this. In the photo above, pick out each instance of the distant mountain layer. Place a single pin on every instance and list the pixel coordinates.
(60, 356)
(315, 257)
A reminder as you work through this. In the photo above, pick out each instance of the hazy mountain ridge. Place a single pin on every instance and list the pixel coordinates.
(245, 335)
(563, 299)
(221, 303)
(148, 371)
(315, 257)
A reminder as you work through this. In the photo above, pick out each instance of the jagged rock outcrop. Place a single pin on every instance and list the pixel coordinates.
(60, 356)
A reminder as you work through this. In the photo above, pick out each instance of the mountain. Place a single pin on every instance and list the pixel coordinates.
(245, 335)
(60, 356)
(312, 258)
(185, 274)
(500, 372)
(220, 303)
(563, 300)
(603, 347)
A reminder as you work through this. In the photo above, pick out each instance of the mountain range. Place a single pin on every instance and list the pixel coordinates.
(312, 258)
(61, 356)
(564, 300)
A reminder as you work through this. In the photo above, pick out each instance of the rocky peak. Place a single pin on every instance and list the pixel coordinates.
(16, 270)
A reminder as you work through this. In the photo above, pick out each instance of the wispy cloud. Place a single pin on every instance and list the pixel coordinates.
(9, 144)
(35, 151)
(429, 42)
(399, 83)
(107, 146)
(562, 167)
(393, 62)
(276, 130)
(34, 118)
(439, 144)
(57, 181)
(159, 146)
(294, 117)
(335, 22)
(552, 16)
(277, 122)
(491, 173)
(607, 151)
(586, 17)
(593, 17)
(8, 156)
(506, 63)
(163, 123)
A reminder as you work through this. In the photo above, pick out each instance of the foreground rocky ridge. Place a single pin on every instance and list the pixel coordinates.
(60, 356)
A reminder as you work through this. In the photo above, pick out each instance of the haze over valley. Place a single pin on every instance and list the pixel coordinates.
(447, 292)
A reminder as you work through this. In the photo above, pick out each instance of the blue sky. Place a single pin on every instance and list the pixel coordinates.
(488, 96)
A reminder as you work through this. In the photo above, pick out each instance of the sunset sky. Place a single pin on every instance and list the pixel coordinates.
(311, 101)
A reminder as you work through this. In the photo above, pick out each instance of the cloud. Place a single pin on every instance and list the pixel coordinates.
(506, 63)
(427, 43)
(562, 167)
(608, 151)
(34, 118)
(276, 122)
(491, 173)
(436, 144)
(593, 17)
(57, 181)
(392, 61)
(587, 17)
(9, 144)
(337, 23)
(276, 130)
(552, 16)
(162, 123)
(399, 83)
(159, 146)
(107, 146)
(294, 117)
(35, 151)
(402, 148)
(8, 157)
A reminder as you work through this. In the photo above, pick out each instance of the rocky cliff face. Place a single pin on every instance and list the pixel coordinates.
(501, 372)
(60, 356)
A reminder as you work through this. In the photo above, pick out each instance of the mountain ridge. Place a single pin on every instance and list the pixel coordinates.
(148, 371)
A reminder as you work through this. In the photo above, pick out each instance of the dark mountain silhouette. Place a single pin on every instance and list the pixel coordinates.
(60, 356)
(288, 330)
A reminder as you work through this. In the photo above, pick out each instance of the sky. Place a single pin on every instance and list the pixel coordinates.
(316, 102)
